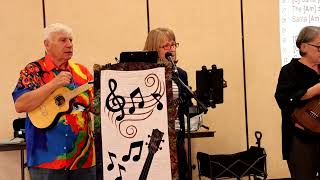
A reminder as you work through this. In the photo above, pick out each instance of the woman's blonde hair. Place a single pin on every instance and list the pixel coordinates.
(156, 37)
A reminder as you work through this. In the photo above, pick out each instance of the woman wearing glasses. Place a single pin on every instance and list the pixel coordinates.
(163, 41)
(298, 84)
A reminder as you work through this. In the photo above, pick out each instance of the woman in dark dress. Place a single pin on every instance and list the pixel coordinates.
(298, 83)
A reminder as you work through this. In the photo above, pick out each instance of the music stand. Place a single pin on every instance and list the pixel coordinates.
(210, 84)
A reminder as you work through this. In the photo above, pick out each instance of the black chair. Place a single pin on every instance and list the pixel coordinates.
(247, 163)
(19, 127)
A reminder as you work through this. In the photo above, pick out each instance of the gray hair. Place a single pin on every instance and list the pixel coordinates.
(307, 34)
(56, 27)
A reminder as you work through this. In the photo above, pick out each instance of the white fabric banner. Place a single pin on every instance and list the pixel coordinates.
(134, 125)
(294, 15)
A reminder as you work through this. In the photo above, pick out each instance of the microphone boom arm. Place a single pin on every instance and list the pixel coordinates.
(189, 92)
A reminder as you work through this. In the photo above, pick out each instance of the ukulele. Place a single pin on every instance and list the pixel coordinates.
(308, 115)
(45, 114)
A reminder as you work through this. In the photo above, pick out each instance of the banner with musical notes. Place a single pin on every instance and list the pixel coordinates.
(134, 125)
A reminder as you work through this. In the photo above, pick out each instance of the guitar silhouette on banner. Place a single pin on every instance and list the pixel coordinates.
(153, 146)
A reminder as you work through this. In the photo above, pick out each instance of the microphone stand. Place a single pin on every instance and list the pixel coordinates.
(202, 108)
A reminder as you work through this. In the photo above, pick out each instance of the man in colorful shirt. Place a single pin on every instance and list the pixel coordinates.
(65, 150)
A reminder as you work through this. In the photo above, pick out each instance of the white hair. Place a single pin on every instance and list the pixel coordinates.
(56, 27)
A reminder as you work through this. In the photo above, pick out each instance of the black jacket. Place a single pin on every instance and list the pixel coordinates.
(294, 80)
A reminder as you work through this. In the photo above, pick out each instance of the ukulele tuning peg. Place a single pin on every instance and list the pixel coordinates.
(146, 143)
(149, 136)
(160, 148)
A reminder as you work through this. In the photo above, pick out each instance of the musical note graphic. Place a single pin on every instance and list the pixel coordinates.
(133, 145)
(118, 102)
(132, 95)
(120, 168)
(159, 105)
(130, 103)
(111, 165)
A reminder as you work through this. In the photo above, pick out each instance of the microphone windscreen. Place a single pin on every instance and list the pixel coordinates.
(168, 54)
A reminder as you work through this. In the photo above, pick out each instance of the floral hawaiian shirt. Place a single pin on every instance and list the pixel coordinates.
(69, 142)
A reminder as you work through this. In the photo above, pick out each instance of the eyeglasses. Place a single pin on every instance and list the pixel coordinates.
(314, 46)
(169, 46)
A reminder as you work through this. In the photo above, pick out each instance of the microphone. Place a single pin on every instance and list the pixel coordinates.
(169, 57)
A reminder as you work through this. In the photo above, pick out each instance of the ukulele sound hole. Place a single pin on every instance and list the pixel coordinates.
(59, 100)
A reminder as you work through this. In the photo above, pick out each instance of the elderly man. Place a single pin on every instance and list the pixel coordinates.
(65, 149)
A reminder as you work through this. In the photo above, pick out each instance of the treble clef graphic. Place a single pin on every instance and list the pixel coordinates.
(118, 102)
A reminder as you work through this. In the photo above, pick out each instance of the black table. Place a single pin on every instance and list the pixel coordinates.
(15, 147)
(201, 134)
